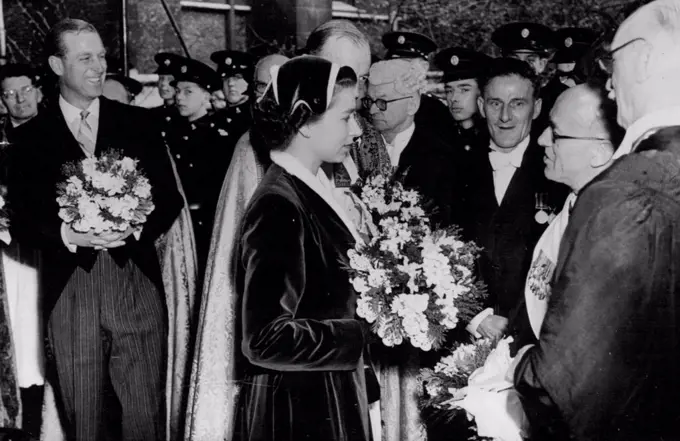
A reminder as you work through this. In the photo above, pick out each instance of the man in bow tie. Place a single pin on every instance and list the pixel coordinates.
(510, 202)
(605, 366)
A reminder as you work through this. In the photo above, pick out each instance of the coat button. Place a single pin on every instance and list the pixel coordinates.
(191, 165)
(186, 138)
(467, 148)
(178, 156)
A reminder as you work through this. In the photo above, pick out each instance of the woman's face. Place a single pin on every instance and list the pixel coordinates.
(334, 133)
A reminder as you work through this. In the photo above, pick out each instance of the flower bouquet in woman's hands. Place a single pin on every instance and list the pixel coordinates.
(104, 194)
(414, 283)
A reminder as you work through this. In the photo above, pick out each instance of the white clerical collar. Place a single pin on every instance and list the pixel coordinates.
(72, 113)
(399, 143)
(517, 154)
(319, 184)
(647, 125)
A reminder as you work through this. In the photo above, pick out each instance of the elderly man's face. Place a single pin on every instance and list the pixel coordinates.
(21, 98)
(537, 61)
(623, 85)
(576, 141)
(509, 106)
(346, 53)
(397, 112)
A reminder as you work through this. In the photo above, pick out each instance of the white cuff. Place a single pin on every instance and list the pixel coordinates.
(137, 233)
(5, 237)
(72, 248)
(476, 321)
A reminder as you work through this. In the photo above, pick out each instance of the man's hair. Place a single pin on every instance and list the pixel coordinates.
(54, 41)
(333, 28)
(16, 70)
(507, 67)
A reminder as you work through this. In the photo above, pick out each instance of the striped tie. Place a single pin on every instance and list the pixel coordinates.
(85, 136)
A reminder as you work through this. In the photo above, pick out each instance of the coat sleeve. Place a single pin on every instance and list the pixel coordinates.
(604, 317)
(273, 256)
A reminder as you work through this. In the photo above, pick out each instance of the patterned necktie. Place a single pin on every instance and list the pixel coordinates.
(85, 136)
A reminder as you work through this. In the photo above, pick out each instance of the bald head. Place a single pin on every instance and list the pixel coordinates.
(647, 62)
(578, 141)
(262, 71)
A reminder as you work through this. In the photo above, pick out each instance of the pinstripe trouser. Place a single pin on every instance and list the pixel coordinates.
(107, 333)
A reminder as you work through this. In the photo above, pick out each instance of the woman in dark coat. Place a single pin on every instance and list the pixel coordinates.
(303, 377)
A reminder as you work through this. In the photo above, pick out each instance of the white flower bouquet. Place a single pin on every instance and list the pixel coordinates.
(414, 283)
(4, 215)
(104, 194)
(472, 378)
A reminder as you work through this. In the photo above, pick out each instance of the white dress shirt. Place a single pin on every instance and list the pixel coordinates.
(398, 144)
(72, 116)
(646, 126)
(504, 166)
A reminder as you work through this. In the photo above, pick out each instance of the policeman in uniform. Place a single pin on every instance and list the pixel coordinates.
(236, 70)
(166, 113)
(462, 69)
(196, 144)
(572, 45)
(535, 44)
(432, 112)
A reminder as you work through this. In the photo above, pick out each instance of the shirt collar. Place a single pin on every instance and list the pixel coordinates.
(402, 138)
(72, 113)
(319, 184)
(645, 126)
(517, 154)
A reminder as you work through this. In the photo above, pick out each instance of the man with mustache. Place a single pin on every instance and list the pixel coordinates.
(104, 303)
(511, 202)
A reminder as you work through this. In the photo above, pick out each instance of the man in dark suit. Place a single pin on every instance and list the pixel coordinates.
(606, 363)
(103, 300)
(510, 202)
(421, 160)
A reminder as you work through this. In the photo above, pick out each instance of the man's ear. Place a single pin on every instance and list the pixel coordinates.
(480, 106)
(543, 63)
(538, 105)
(39, 95)
(56, 64)
(647, 61)
(602, 154)
(413, 105)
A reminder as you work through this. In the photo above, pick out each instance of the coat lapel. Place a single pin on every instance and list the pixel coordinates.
(60, 134)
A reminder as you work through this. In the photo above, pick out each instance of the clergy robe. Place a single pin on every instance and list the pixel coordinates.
(303, 377)
(606, 365)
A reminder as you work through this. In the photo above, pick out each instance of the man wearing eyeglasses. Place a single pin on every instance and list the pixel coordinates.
(605, 366)
(20, 93)
(420, 159)
(510, 203)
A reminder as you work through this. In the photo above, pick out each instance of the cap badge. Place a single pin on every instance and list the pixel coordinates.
(167, 62)
(227, 61)
(525, 33)
(401, 39)
(455, 60)
(183, 69)
(568, 42)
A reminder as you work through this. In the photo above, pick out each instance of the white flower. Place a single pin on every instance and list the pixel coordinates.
(433, 389)
(406, 304)
(358, 261)
(128, 164)
(413, 270)
(142, 188)
(376, 277)
(66, 215)
(365, 310)
(89, 167)
(74, 186)
(108, 182)
(390, 333)
(360, 286)
(122, 207)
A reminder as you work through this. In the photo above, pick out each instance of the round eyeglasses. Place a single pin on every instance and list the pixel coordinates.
(380, 103)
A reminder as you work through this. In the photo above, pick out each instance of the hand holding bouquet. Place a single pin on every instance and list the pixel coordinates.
(104, 195)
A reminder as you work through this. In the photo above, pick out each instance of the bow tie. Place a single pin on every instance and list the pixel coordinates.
(500, 160)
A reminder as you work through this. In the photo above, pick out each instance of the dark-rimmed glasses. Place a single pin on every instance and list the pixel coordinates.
(606, 60)
(556, 137)
(380, 103)
(11, 95)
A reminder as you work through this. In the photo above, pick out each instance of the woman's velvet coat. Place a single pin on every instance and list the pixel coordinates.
(303, 371)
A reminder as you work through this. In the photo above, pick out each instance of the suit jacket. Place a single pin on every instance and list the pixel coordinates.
(509, 232)
(428, 165)
(42, 146)
(606, 366)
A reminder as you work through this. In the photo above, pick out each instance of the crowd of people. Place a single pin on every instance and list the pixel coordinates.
(229, 313)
